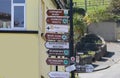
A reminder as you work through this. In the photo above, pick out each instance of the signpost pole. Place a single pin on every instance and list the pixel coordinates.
(56, 67)
(71, 46)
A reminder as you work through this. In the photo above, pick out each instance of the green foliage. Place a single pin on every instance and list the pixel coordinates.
(102, 15)
(91, 4)
(80, 11)
(79, 26)
(91, 53)
(98, 42)
(97, 15)
(114, 7)
(109, 13)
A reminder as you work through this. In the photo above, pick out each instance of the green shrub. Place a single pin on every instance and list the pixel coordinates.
(79, 26)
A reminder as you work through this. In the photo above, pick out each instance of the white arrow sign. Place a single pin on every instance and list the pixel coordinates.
(59, 74)
(57, 45)
(70, 68)
(57, 28)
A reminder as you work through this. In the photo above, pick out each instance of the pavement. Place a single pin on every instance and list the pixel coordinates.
(113, 56)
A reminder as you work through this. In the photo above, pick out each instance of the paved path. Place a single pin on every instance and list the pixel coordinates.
(112, 72)
(112, 58)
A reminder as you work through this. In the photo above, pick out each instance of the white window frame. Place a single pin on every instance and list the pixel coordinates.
(12, 17)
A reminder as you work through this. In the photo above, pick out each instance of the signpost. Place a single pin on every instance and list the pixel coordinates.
(57, 45)
(57, 12)
(53, 52)
(57, 41)
(56, 36)
(57, 28)
(59, 74)
(57, 61)
(71, 36)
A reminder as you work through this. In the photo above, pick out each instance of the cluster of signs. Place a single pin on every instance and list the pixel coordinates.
(57, 36)
(57, 42)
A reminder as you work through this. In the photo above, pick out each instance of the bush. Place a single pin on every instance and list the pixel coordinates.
(101, 15)
(110, 13)
(79, 26)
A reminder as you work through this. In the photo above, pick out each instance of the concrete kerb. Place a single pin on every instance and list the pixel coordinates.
(102, 68)
(111, 61)
(112, 47)
(106, 65)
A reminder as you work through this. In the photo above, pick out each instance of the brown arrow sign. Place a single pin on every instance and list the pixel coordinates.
(53, 52)
(57, 12)
(57, 61)
(55, 36)
(57, 20)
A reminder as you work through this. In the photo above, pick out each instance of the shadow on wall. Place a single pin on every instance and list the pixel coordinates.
(42, 76)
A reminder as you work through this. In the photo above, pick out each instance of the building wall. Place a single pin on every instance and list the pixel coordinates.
(44, 68)
(23, 55)
(19, 55)
(32, 14)
(118, 31)
(36, 12)
(107, 30)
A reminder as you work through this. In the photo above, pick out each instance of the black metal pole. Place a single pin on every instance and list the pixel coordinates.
(56, 67)
(71, 46)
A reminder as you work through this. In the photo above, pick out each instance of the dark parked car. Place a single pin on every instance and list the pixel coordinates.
(91, 43)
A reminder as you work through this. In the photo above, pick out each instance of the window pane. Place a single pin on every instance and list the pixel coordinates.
(18, 1)
(19, 16)
(5, 13)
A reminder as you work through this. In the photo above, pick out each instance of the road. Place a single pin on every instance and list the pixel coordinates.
(112, 72)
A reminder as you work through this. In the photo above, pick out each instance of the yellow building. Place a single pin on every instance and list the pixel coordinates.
(22, 50)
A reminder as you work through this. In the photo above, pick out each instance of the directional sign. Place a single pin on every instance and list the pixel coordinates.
(57, 12)
(89, 68)
(84, 68)
(53, 52)
(57, 74)
(57, 45)
(57, 61)
(57, 20)
(57, 28)
(70, 68)
(55, 36)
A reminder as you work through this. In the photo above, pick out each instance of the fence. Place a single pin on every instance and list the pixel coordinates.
(91, 3)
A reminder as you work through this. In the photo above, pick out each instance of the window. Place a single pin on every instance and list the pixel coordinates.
(12, 14)
(18, 16)
(18, 1)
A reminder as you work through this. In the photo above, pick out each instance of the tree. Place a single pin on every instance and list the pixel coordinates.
(79, 26)
(114, 10)
(114, 7)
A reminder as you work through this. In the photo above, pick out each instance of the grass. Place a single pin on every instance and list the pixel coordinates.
(91, 4)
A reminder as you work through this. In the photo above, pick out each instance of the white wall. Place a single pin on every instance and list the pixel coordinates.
(107, 30)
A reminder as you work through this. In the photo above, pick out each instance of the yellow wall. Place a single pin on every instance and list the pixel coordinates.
(19, 56)
(33, 9)
(32, 17)
(24, 55)
(44, 68)
(49, 4)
